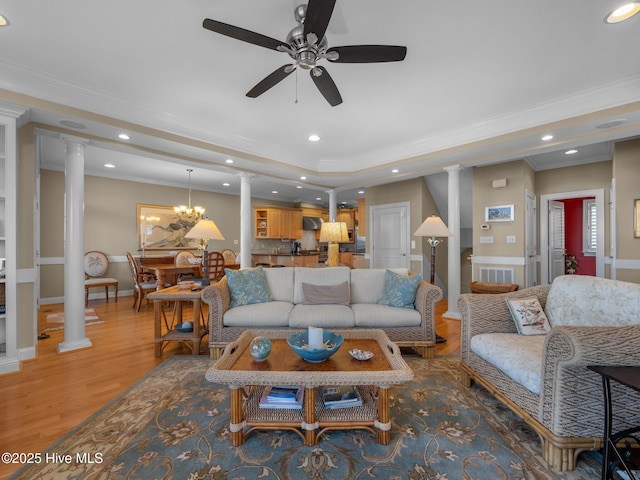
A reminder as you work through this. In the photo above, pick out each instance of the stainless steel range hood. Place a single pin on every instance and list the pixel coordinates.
(311, 223)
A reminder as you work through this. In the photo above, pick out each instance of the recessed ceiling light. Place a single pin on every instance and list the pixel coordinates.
(109, 165)
(318, 198)
(274, 191)
(361, 192)
(298, 186)
(623, 13)
(3, 21)
(314, 138)
(225, 184)
(124, 136)
(229, 161)
(571, 152)
(72, 124)
(303, 178)
(395, 170)
(546, 138)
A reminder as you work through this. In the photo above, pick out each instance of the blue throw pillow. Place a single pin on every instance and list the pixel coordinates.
(399, 290)
(247, 286)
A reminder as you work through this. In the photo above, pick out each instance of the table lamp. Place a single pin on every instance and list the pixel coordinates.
(205, 230)
(433, 227)
(333, 233)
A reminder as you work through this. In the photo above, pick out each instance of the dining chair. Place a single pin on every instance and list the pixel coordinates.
(183, 258)
(143, 283)
(229, 256)
(215, 267)
(96, 265)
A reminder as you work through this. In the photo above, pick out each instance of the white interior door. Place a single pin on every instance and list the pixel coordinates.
(389, 225)
(530, 241)
(556, 239)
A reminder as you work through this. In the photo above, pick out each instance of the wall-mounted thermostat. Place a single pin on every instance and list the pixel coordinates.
(485, 226)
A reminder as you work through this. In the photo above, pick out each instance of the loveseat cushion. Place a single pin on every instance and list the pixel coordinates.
(518, 356)
(580, 300)
(318, 276)
(325, 316)
(367, 284)
(257, 315)
(280, 283)
(372, 315)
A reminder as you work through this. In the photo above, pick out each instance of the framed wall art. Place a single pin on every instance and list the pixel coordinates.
(161, 228)
(636, 218)
(499, 213)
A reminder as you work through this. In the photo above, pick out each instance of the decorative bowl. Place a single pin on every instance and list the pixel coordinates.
(260, 348)
(185, 327)
(360, 354)
(299, 343)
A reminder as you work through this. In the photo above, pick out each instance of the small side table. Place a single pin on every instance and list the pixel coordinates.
(611, 457)
(179, 296)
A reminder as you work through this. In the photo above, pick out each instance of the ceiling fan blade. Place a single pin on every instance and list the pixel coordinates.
(270, 80)
(369, 53)
(318, 16)
(242, 34)
(327, 87)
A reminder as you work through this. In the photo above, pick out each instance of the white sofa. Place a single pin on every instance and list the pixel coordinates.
(544, 378)
(410, 327)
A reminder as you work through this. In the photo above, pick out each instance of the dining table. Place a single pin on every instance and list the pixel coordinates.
(161, 270)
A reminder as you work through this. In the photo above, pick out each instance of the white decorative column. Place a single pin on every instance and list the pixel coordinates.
(333, 207)
(453, 221)
(74, 325)
(246, 220)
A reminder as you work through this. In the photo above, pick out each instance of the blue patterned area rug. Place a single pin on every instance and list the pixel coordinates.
(174, 424)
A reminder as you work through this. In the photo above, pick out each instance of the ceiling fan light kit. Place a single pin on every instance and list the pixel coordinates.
(306, 44)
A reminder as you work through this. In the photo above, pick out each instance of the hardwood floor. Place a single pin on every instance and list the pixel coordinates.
(55, 392)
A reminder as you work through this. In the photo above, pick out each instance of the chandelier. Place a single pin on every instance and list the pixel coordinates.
(189, 212)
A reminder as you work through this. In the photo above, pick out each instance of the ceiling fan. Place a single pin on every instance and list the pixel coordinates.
(306, 44)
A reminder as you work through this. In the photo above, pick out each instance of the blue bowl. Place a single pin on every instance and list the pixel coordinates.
(299, 343)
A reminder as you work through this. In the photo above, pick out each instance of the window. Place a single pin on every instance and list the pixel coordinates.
(590, 227)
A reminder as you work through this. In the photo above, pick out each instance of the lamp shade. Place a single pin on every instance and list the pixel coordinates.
(433, 227)
(206, 230)
(334, 232)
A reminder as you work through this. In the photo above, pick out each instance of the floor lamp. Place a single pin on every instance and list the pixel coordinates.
(333, 233)
(433, 227)
(205, 230)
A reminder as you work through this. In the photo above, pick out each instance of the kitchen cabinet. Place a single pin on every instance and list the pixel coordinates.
(346, 258)
(359, 261)
(277, 222)
(362, 217)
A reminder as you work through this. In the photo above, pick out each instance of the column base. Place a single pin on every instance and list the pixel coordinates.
(69, 346)
(450, 314)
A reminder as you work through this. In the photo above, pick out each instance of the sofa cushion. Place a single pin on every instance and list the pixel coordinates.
(325, 316)
(339, 294)
(518, 356)
(258, 315)
(280, 283)
(372, 315)
(247, 286)
(399, 290)
(591, 301)
(528, 315)
(367, 284)
(318, 276)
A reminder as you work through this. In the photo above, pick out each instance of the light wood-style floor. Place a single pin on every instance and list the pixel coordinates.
(55, 392)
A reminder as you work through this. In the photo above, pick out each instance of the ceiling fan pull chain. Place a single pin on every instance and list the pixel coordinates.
(296, 86)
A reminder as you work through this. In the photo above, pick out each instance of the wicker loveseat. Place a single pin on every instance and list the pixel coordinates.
(544, 378)
(407, 327)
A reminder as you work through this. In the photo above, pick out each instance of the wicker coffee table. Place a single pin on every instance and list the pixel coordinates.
(247, 380)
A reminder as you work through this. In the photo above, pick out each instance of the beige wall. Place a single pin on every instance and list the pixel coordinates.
(519, 178)
(626, 172)
(417, 193)
(110, 221)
